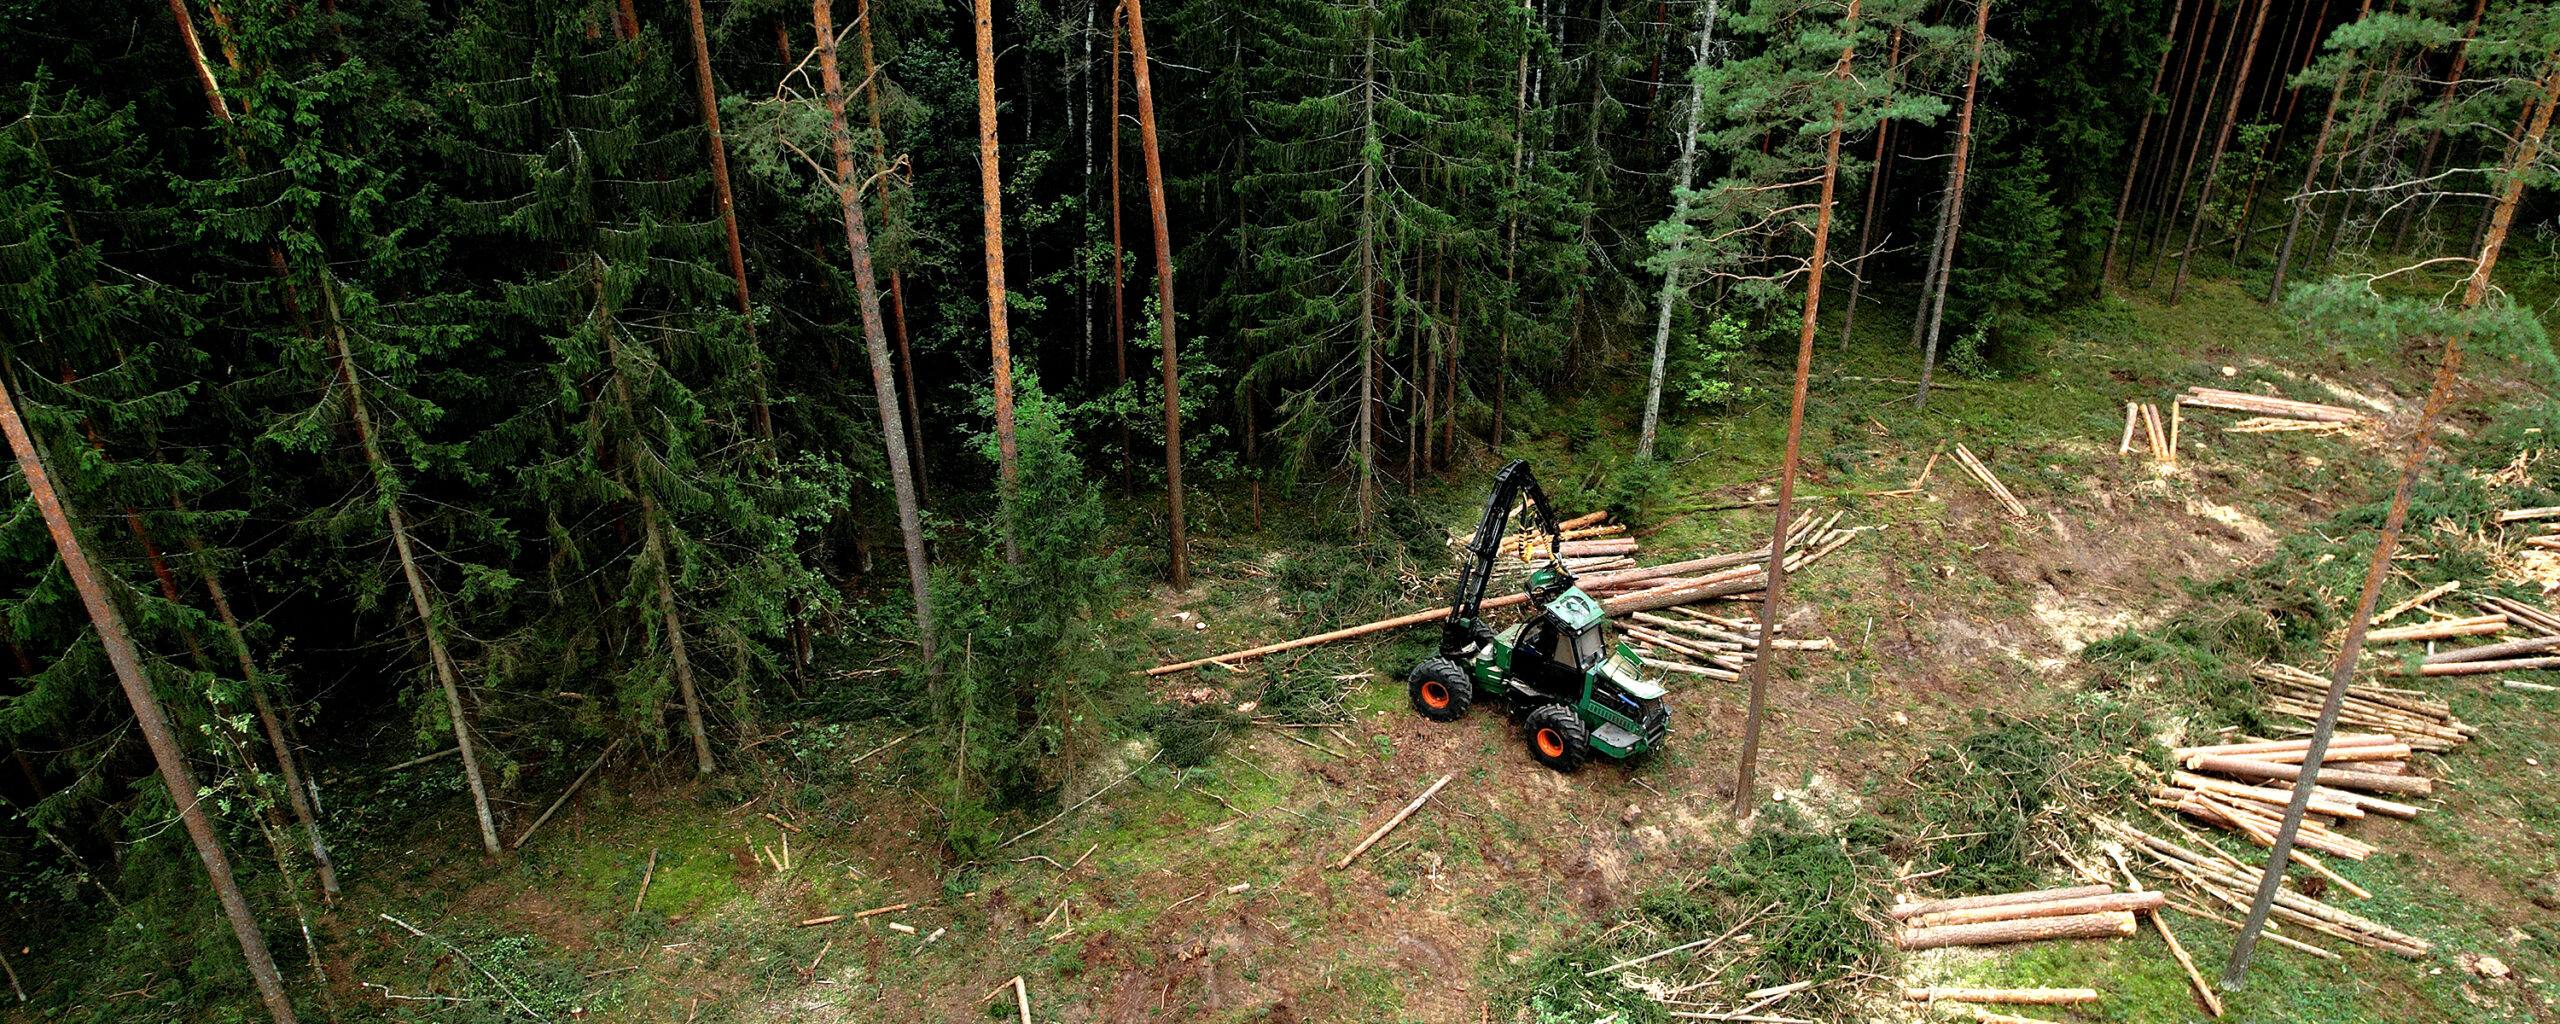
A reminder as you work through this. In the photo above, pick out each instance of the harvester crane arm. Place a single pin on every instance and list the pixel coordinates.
(1465, 630)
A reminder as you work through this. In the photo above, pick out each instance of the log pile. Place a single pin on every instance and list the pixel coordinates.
(2413, 717)
(2268, 406)
(2079, 912)
(1622, 592)
(1589, 544)
(1694, 642)
(1982, 473)
(2143, 431)
(2226, 880)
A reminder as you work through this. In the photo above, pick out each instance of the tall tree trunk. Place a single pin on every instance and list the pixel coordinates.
(2435, 135)
(1119, 277)
(875, 334)
(2221, 141)
(2310, 174)
(440, 662)
(1683, 178)
(421, 594)
(1875, 191)
(1511, 226)
(1368, 241)
(2176, 202)
(653, 541)
(270, 721)
(154, 723)
(1180, 547)
(2133, 165)
(991, 196)
(1955, 201)
(1776, 570)
(2191, 56)
(2275, 142)
(2503, 215)
(897, 277)
(673, 623)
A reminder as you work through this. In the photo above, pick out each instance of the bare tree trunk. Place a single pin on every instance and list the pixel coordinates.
(421, 595)
(440, 662)
(2435, 136)
(2310, 174)
(1775, 592)
(1955, 201)
(897, 277)
(270, 721)
(1368, 242)
(2133, 165)
(153, 722)
(1684, 177)
(2176, 203)
(1119, 276)
(1181, 557)
(2173, 140)
(991, 196)
(2275, 142)
(2221, 141)
(708, 97)
(875, 335)
(2528, 149)
(1511, 230)
(1875, 190)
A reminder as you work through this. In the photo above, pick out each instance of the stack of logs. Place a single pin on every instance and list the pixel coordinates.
(1981, 472)
(2537, 558)
(2414, 718)
(1697, 643)
(2142, 420)
(1590, 544)
(1701, 579)
(2080, 912)
(1621, 592)
(2269, 413)
(2235, 885)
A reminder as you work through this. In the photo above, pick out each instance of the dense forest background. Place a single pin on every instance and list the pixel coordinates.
(437, 375)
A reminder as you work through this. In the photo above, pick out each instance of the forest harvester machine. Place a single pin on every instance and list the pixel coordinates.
(1575, 690)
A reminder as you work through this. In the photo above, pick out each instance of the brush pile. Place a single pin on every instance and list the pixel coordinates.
(2235, 885)
(2079, 912)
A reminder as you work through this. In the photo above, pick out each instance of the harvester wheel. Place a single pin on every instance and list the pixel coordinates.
(1557, 737)
(1441, 689)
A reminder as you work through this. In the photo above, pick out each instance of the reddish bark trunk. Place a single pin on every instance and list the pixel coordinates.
(1180, 558)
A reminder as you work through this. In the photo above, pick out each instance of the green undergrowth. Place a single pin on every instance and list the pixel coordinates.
(1796, 894)
(1985, 806)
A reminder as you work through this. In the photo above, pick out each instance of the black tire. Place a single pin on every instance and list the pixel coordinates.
(1440, 688)
(1557, 737)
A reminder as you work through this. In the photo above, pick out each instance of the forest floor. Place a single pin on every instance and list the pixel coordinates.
(1204, 893)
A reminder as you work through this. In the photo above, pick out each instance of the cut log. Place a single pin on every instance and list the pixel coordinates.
(1982, 472)
(1906, 911)
(2482, 625)
(2265, 794)
(2015, 996)
(2261, 748)
(2404, 607)
(2108, 925)
(2267, 405)
(2473, 668)
(2515, 514)
(2252, 768)
(2054, 908)
(1391, 824)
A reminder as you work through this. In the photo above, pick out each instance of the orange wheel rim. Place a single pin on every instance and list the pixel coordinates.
(1550, 743)
(1434, 695)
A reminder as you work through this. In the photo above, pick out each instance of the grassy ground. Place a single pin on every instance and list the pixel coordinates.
(1997, 685)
